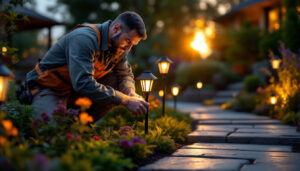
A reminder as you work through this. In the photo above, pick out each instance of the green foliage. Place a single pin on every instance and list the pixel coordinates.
(243, 45)
(245, 102)
(289, 118)
(291, 25)
(269, 42)
(190, 73)
(157, 113)
(251, 83)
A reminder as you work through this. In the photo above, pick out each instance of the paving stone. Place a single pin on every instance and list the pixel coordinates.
(257, 156)
(241, 147)
(245, 122)
(227, 93)
(271, 167)
(207, 136)
(263, 138)
(274, 131)
(274, 127)
(195, 164)
(214, 128)
(225, 126)
(225, 116)
(222, 100)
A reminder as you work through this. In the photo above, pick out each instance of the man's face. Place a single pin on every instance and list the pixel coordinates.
(123, 41)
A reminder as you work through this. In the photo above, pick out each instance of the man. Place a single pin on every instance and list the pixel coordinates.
(90, 61)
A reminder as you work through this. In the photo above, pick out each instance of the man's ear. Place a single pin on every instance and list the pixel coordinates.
(116, 28)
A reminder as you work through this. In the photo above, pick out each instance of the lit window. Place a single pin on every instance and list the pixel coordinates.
(273, 18)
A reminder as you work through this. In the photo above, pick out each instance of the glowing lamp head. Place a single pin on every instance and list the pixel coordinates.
(5, 76)
(175, 89)
(163, 64)
(273, 99)
(4, 50)
(161, 93)
(146, 79)
(275, 62)
(199, 85)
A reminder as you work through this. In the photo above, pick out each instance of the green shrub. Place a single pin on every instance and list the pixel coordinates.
(245, 102)
(251, 83)
(157, 113)
(289, 118)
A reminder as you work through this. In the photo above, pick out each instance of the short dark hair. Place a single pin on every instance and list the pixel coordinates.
(132, 21)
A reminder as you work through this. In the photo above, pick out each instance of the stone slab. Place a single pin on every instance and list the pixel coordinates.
(240, 147)
(274, 127)
(225, 116)
(194, 164)
(274, 131)
(257, 156)
(214, 128)
(227, 93)
(225, 126)
(264, 138)
(207, 136)
(238, 121)
(271, 167)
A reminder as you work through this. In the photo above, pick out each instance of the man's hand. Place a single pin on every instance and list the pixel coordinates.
(133, 94)
(136, 105)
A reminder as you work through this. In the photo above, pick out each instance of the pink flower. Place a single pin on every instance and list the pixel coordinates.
(96, 137)
(69, 135)
(36, 124)
(45, 117)
(125, 130)
(78, 138)
(260, 90)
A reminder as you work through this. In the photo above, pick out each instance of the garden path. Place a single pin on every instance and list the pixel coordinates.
(227, 140)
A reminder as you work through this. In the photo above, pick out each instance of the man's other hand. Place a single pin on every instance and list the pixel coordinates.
(136, 105)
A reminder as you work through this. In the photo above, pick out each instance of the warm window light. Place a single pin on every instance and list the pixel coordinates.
(161, 93)
(163, 64)
(273, 99)
(175, 89)
(199, 84)
(275, 62)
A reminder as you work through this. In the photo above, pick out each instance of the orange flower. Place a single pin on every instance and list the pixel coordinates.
(85, 118)
(14, 132)
(7, 124)
(2, 140)
(83, 101)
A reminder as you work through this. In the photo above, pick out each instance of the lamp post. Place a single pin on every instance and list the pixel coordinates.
(163, 66)
(275, 62)
(175, 91)
(146, 79)
(5, 76)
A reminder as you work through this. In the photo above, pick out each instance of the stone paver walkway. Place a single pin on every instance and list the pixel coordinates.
(226, 140)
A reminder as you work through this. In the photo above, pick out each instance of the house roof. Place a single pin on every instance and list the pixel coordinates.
(244, 6)
(36, 20)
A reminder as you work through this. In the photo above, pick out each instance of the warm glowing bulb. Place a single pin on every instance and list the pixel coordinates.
(199, 85)
(161, 93)
(163, 67)
(273, 100)
(4, 50)
(175, 91)
(146, 85)
(276, 63)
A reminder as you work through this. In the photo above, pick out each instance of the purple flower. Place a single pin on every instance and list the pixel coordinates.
(40, 159)
(124, 130)
(74, 113)
(138, 139)
(126, 144)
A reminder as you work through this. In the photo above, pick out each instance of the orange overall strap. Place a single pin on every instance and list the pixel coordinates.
(94, 27)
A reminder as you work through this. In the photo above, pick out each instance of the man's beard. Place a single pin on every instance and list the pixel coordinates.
(114, 44)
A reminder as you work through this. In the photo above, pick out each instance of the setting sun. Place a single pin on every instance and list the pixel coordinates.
(200, 45)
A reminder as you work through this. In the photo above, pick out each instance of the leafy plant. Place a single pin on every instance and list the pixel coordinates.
(251, 83)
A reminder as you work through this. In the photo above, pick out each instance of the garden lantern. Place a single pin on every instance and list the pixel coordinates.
(275, 62)
(175, 91)
(4, 50)
(146, 79)
(163, 66)
(273, 99)
(5, 76)
(199, 85)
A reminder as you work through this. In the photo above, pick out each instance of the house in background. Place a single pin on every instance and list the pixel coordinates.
(265, 14)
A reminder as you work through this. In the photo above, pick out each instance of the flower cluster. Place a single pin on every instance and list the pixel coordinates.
(85, 118)
(9, 128)
(125, 143)
(125, 130)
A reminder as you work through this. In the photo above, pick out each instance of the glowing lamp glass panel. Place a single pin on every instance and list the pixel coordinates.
(146, 85)
(199, 85)
(275, 63)
(273, 100)
(175, 91)
(161, 93)
(3, 88)
(163, 67)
